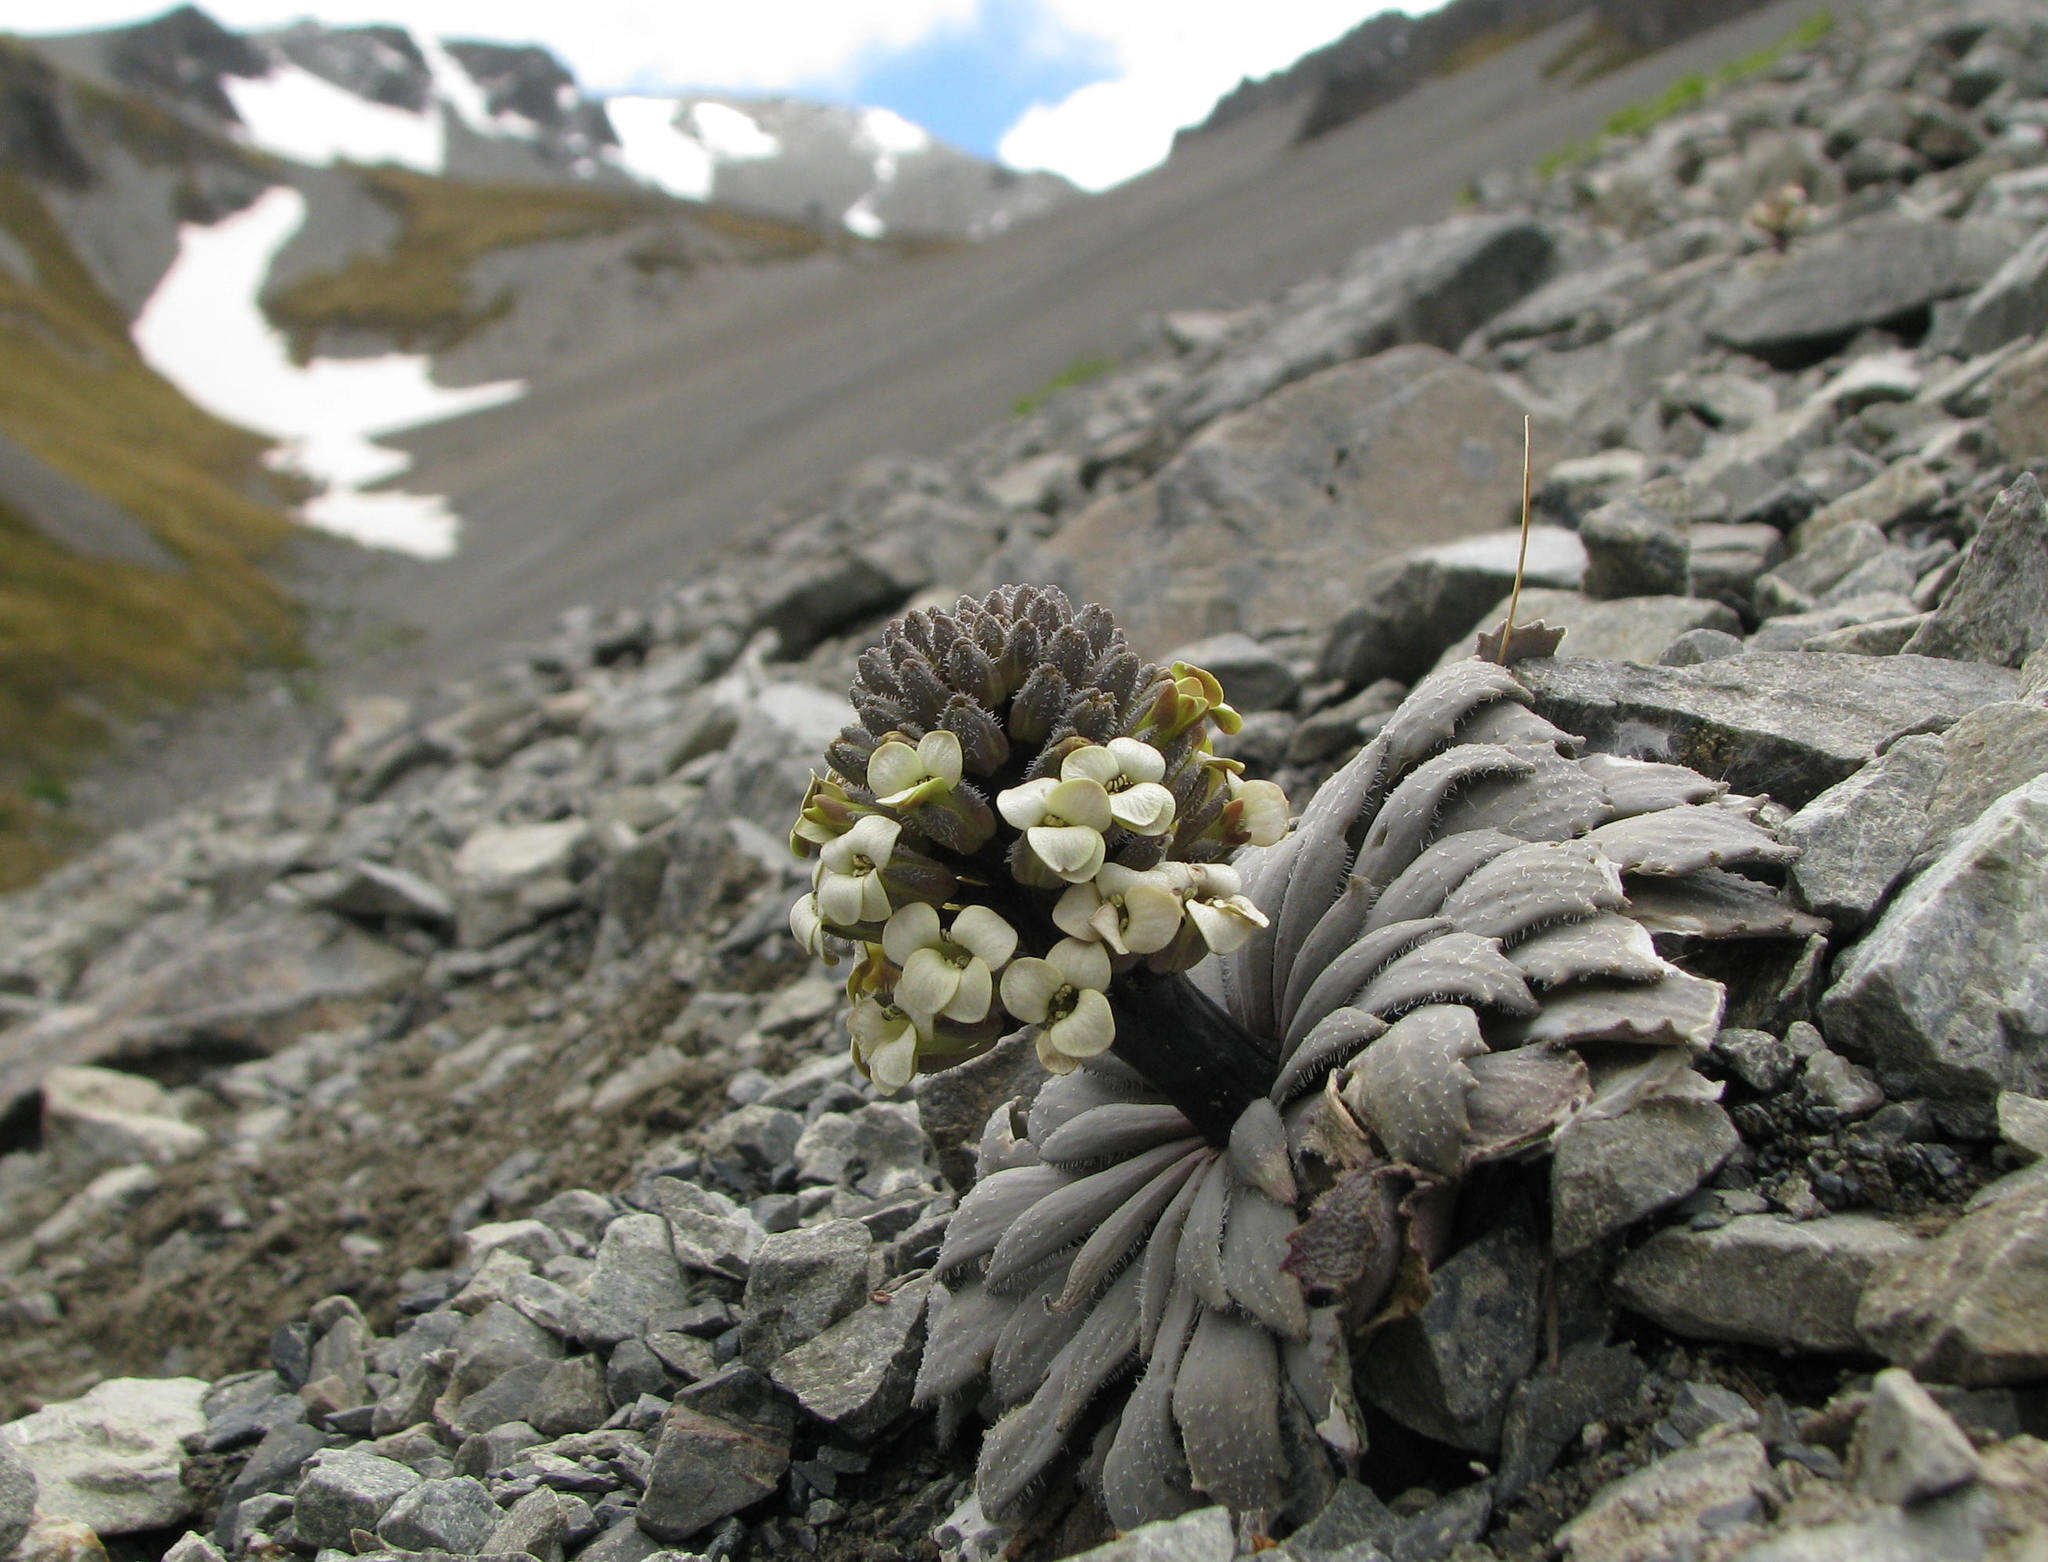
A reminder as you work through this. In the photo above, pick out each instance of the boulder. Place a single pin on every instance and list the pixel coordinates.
(636, 1283)
(1790, 724)
(1608, 1173)
(2012, 304)
(1760, 1280)
(800, 1283)
(1857, 838)
(1997, 608)
(94, 1118)
(1432, 285)
(1971, 1306)
(347, 1490)
(1946, 997)
(509, 876)
(706, 1467)
(1877, 271)
(17, 1497)
(1279, 514)
(1621, 629)
(2018, 393)
(1411, 610)
(1907, 1448)
(1205, 1535)
(857, 1375)
(1988, 753)
(1674, 1507)
(112, 1458)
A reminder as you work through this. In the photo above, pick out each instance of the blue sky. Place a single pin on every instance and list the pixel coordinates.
(1093, 89)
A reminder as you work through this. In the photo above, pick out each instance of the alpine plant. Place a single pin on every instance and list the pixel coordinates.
(1280, 1052)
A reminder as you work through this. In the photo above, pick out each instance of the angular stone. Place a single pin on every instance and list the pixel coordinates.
(816, 603)
(1871, 272)
(1760, 1280)
(535, 1525)
(953, 1104)
(1971, 1306)
(1674, 1507)
(508, 876)
(2023, 1123)
(1633, 550)
(345, 1491)
(2012, 304)
(1254, 678)
(1997, 609)
(571, 1398)
(1987, 754)
(1547, 1412)
(94, 1118)
(1205, 1535)
(707, 1230)
(454, 1515)
(1433, 285)
(253, 983)
(1856, 839)
(1947, 997)
(2018, 393)
(1789, 724)
(1278, 514)
(17, 1497)
(635, 1285)
(374, 890)
(705, 1468)
(1608, 1173)
(112, 1457)
(1902, 492)
(1621, 629)
(1447, 1371)
(1907, 1448)
(878, 1150)
(1413, 609)
(857, 1376)
(802, 1282)
(497, 1339)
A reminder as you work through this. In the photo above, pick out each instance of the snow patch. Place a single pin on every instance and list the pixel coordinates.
(731, 134)
(298, 115)
(202, 330)
(888, 131)
(861, 218)
(653, 146)
(455, 87)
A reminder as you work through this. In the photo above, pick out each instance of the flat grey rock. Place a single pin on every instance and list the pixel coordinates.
(1788, 724)
(1857, 838)
(802, 1282)
(1608, 1173)
(857, 1375)
(1760, 1280)
(1997, 608)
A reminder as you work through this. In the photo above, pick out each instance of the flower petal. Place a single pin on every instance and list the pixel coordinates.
(1088, 1030)
(1139, 761)
(1108, 925)
(1265, 810)
(1023, 806)
(840, 898)
(928, 983)
(874, 898)
(1073, 910)
(914, 927)
(1080, 964)
(1152, 917)
(1050, 1058)
(1144, 809)
(892, 1064)
(1081, 801)
(984, 933)
(1224, 926)
(1093, 763)
(939, 752)
(874, 838)
(893, 767)
(971, 998)
(1073, 851)
(1028, 987)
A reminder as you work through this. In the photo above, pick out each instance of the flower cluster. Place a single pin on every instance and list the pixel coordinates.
(1023, 811)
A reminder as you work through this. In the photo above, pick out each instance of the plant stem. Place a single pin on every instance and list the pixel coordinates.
(1201, 1059)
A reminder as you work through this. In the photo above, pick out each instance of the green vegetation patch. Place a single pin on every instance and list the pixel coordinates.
(418, 293)
(84, 639)
(1687, 92)
(1079, 372)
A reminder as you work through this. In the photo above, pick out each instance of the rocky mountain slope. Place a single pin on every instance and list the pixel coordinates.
(441, 1148)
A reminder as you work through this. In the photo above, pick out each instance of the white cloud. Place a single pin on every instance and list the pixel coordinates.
(1176, 59)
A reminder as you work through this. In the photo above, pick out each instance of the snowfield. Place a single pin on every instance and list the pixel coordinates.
(299, 115)
(203, 330)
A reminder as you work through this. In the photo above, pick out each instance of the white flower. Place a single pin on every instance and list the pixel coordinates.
(1063, 821)
(902, 777)
(1264, 820)
(1129, 771)
(1216, 905)
(948, 975)
(1063, 995)
(807, 925)
(885, 1039)
(1134, 913)
(849, 881)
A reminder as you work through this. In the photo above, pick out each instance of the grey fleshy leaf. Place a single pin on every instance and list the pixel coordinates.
(1145, 1476)
(963, 1326)
(1684, 840)
(1254, 1251)
(1347, 975)
(990, 1209)
(1336, 1039)
(1198, 1263)
(1113, 1132)
(1421, 888)
(1410, 813)
(1258, 1151)
(1456, 968)
(1642, 786)
(1065, 1217)
(1436, 707)
(1534, 885)
(1158, 1267)
(1609, 947)
(1226, 1404)
(1678, 1010)
(1409, 1086)
(1117, 1237)
(1714, 903)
